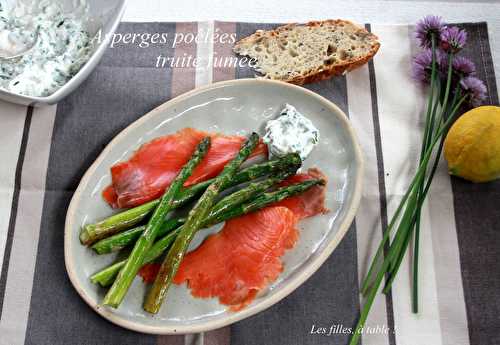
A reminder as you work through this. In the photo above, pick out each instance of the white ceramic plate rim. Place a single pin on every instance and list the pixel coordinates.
(292, 283)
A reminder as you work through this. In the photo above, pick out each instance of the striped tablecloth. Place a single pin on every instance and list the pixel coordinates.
(45, 151)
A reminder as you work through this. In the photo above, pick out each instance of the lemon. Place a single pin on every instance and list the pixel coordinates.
(472, 146)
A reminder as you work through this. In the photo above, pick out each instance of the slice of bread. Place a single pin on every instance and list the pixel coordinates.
(304, 53)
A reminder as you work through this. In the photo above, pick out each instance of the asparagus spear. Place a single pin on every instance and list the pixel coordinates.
(127, 219)
(127, 274)
(122, 239)
(195, 219)
(120, 221)
(268, 198)
(106, 276)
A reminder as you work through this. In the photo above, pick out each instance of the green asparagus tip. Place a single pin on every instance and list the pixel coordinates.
(110, 304)
(99, 249)
(95, 280)
(85, 237)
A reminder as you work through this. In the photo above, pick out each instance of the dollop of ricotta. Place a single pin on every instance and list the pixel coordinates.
(62, 47)
(291, 132)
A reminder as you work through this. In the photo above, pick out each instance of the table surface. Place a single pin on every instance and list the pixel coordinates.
(375, 12)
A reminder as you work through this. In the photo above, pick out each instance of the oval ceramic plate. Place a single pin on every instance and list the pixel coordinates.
(232, 107)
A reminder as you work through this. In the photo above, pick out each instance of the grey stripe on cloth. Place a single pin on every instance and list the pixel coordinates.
(170, 340)
(330, 296)
(27, 227)
(123, 87)
(13, 212)
(478, 50)
(224, 51)
(221, 336)
(381, 184)
(183, 77)
(477, 218)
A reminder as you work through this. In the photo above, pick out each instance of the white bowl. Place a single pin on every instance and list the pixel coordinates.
(237, 106)
(105, 15)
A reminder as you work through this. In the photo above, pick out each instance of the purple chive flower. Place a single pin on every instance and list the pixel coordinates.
(475, 88)
(422, 66)
(453, 39)
(428, 26)
(463, 66)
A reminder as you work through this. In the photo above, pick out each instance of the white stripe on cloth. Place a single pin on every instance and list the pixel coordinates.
(451, 301)
(194, 339)
(204, 54)
(25, 242)
(12, 119)
(368, 226)
(400, 110)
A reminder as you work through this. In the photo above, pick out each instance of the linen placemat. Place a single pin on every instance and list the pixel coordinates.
(45, 152)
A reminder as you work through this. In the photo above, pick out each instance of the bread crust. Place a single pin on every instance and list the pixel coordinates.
(324, 72)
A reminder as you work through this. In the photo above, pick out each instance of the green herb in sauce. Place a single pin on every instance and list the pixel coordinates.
(63, 46)
(291, 132)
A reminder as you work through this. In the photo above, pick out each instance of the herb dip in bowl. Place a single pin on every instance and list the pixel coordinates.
(64, 51)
